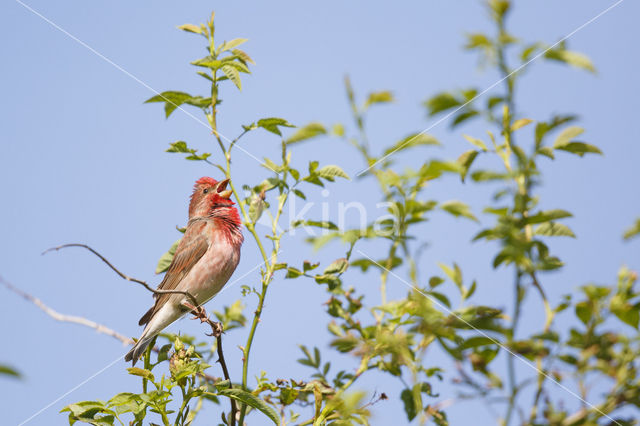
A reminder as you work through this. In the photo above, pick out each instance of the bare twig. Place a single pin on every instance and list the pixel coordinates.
(216, 331)
(86, 322)
(67, 318)
(122, 275)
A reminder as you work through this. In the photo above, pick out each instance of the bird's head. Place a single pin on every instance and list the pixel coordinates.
(209, 194)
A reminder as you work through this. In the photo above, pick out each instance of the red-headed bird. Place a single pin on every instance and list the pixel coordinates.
(204, 260)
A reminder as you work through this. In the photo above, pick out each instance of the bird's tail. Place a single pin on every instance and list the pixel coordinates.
(156, 323)
(138, 349)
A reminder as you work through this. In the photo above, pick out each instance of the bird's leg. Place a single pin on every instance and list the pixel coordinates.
(197, 311)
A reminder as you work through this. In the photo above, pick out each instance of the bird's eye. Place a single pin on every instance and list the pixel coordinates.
(206, 190)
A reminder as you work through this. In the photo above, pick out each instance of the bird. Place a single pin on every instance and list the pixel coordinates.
(205, 259)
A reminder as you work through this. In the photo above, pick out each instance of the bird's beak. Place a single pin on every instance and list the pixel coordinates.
(222, 190)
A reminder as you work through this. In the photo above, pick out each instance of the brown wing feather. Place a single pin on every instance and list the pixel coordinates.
(191, 248)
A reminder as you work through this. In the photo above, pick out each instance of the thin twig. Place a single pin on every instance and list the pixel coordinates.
(216, 331)
(124, 276)
(83, 321)
(67, 318)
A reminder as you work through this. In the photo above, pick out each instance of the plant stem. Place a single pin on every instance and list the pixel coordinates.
(511, 370)
(266, 279)
(364, 366)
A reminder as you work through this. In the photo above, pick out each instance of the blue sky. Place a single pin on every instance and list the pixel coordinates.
(83, 161)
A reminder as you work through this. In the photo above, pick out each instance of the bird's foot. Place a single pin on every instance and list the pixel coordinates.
(197, 311)
(216, 329)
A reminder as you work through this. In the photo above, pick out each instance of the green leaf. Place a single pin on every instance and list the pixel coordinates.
(435, 281)
(8, 371)
(309, 131)
(574, 59)
(487, 175)
(252, 401)
(554, 229)
(584, 311)
(271, 124)
(580, 148)
(565, 142)
(409, 404)
(121, 399)
(345, 344)
(198, 157)
(458, 208)
(256, 207)
(228, 45)
(519, 124)
(476, 341)
(465, 161)
(167, 258)
(478, 40)
(179, 146)
(547, 215)
(625, 312)
(190, 28)
(633, 230)
(242, 55)
(330, 172)
(546, 151)
(293, 272)
(173, 100)
(441, 102)
(454, 274)
(337, 267)
(440, 297)
(463, 116)
(135, 371)
(208, 62)
(317, 223)
(232, 74)
(567, 135)
(416, 139)
(378, 98)
(476, 142)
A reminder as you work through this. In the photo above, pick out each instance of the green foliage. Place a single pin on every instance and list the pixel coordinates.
(309, 131)
(252, 401)
(167, 258)
(8, 371)
(632, 231)
(394, 338)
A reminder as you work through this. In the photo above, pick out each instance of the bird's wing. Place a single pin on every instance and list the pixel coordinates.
(192, 247)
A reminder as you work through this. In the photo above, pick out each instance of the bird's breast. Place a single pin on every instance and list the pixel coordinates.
(213, 270)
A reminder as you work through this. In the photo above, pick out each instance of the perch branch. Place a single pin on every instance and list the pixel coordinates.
(197, 310)
(67, 318)
(216, 331)
(122, 275)
(85, 322)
